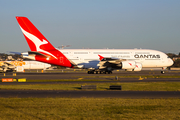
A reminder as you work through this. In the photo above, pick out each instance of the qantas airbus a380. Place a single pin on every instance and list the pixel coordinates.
(96, 60)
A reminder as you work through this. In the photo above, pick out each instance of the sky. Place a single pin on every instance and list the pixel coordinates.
(112, 24)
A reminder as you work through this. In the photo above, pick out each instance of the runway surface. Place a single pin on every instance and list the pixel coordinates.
(75, 75)
(88, 94)
(121, 80)
(91, 78)
(88, 78)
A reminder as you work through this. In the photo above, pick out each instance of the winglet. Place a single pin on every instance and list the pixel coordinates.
(100, 57)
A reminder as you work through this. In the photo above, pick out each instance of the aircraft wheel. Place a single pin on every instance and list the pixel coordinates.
(90, 72)
(162, 72)
(96, 72)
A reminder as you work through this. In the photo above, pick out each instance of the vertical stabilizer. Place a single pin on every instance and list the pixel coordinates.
(40, 45)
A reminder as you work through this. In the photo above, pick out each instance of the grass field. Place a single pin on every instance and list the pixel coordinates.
(136, 86)
(92, 108)
(88, 109)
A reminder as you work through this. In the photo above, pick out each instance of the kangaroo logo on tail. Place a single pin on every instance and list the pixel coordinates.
(40, 46)
(37, 42)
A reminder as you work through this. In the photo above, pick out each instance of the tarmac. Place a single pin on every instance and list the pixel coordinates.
(82, 74)
(88, 94)
(102, 78)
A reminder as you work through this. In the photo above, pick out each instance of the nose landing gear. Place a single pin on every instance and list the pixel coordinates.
(163, 68)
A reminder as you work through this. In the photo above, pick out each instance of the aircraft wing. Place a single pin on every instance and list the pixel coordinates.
(7, 66)
(110, 62)
(110, 59)
(6, 63)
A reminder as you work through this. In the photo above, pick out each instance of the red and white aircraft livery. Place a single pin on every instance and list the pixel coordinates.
(96, 60)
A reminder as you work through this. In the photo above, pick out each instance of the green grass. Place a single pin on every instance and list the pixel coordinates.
(89, 109)
(136, 86)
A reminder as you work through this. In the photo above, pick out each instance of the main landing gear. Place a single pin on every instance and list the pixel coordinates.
(90, 72)
(99, 72)
(162, 72)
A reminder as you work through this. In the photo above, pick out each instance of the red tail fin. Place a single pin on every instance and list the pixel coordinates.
(37, 42)
(33, 36)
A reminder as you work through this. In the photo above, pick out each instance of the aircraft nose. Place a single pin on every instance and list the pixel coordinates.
(170, 61)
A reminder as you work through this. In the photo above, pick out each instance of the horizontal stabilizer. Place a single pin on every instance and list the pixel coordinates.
(36, 53)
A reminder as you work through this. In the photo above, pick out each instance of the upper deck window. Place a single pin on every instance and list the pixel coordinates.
(111, 52)
(80, 52)
(65, 52)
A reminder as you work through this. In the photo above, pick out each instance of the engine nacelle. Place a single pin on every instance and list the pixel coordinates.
(128, 65)
(138, 67)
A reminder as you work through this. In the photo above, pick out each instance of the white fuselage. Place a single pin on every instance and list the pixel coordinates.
(30, 64)
(35, 65)
(89, 57)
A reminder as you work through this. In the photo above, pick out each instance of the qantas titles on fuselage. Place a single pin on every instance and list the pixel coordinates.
(96, 60)
(146, 56)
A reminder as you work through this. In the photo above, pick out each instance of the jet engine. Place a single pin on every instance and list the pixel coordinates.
(128, 65)
(138, 67)
(131, 66)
